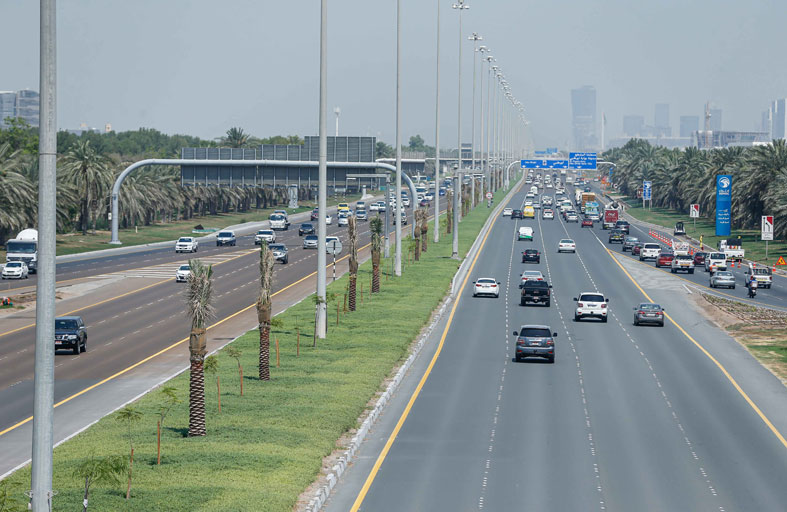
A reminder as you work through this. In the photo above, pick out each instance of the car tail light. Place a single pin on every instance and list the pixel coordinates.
(603, 306)
(658, 312)
(494, 286)
(641, 312)
(550, 343)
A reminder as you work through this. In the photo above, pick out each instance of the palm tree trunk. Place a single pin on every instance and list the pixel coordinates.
(197, 349)
(83, 216)
(352, 290)
(375, 271)
(264, 316)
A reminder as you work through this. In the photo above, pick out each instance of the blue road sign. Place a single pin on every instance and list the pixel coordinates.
(541, 153)
(582, 160)
(556, 164)
(647, 190)
(544, 163)
(551, 151)
(723, 204)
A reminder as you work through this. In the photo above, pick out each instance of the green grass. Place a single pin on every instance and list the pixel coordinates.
(267, 446)
(755, 248)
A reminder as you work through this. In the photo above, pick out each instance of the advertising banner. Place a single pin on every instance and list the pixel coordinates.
(723, 204)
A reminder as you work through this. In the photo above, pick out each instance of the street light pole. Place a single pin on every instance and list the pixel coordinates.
(322, 200)
(398, 211)
(489, 84)
(460, 6)
(44, 373)
(475, 38)
(437, 135)
(482, 50)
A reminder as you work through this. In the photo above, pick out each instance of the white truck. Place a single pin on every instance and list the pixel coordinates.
(279, 221)
(680, 248)
(763, 275)
(24, 248)
(732, 249)
(186, 244)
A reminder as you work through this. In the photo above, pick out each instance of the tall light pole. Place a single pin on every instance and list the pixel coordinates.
(338, 112)
(44, 376)
(492, 70)
(398, 211)
(482, 50)
(322, 200)
(475, 38)
(460, 6)
(437, 134)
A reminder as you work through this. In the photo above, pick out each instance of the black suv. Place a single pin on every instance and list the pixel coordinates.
(531, 256)
(616, 236)
(535, 340)
(538, 292)
(307, 228)
(70, 333)
(622, 225)
(517, 214)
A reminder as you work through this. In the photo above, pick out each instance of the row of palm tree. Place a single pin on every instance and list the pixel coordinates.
(684, 177)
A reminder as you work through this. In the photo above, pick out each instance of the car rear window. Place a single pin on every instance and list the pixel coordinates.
(724, 274)
(486, 281)
(683, 257)
(531, 251)
(592, 297)
(649, 307)
(566, 241)
(718, 256)
(535, 332)
(536, 284)
(652, 246)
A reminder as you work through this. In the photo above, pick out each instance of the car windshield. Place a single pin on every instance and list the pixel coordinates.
(13, 264)
(591, 297)
(535, 332)
(277, 217)
(21, 247)
(184, 267)
(277, 247)
(265, 232)
(184, 240)
(650, 307)
(311, 237)
(225, 234)
(486, 281)
(65, 324)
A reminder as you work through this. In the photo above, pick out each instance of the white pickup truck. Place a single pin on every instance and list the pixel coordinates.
(715, 261)
(761, 274)
(732, 249)
(186, 244)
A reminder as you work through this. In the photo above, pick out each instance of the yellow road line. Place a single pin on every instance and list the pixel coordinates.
(373, 474)
(721, 367)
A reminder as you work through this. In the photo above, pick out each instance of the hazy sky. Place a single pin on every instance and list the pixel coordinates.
(199, 67)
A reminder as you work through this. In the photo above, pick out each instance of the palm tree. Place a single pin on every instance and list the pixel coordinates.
(18, 194)
(90, 173)
(235, 138)
(100, 470)
(352, 233)
(199, 294)
(376, 227)
(417, 235)
(264, 307)
(449, 212)
(130, 417)
(424, 229)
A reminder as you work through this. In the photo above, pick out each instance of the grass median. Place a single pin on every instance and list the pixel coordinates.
(267, 446)
(755, 248)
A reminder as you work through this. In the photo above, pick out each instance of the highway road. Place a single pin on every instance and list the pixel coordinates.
(627, 418)
(138, 312)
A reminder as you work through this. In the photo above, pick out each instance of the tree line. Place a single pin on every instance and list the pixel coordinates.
(688, 176)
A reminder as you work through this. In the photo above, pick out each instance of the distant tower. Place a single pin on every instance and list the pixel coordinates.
(338, 113)
(107, 128)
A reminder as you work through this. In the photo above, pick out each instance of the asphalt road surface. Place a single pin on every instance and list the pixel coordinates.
(627, 418)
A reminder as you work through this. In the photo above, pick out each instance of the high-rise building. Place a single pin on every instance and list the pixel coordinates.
(765, 121)
(778, 114)
(633, 125)
(583, 118)
(27, 104)
(661, 120)
(715, 119)
(689, 125)
(7, 106)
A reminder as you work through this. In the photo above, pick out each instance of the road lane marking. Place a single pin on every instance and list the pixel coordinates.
(715, 361)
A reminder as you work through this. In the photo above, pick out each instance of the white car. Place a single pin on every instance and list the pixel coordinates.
(486, 286)
(186, 244)
(507, 212)
(548, 214)
(279, 221)
(15, 270)
(649, 251)
(344, 219)
(531, 275)
(566, 245)
(591, 305)
(265, 235)
(374, 207)
(328, 220)
(182, 274)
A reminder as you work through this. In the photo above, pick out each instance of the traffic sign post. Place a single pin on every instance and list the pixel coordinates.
(766, 232)
(647, 193)
(694, 213)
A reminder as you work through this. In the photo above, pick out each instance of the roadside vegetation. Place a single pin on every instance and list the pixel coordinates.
(265, 440)
(684, 177)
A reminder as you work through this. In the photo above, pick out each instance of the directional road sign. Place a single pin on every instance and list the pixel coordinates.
(582, 161)
(544, 164)
(767, 227)
(647, 190)
(551, 151)
(695, 211)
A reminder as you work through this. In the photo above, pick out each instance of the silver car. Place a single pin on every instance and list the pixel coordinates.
(649, 313)
(723, 278)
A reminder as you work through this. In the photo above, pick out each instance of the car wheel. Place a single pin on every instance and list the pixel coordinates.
(672, 270)
(711, 285)
(636, 322)
(576, 317)
(517, 358)
(522, 302)
(548, 303)
(661, 324)
(84, 345)
(551, 359)
(691, 271)
(76, 349)
(604, 319)
(640, 258)
(733, 287)
(286, 260)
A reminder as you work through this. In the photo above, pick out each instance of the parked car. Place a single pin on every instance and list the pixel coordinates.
(486, 286)
(531, 256)
(591, 305)
(310, 242)
(306, 228)
(186, 244)
(723, 278)
(265, 235)
(70, 333)
(280, 252)
(15, 270)
(536, 341)
(225, 238)
(649, 313)
(566, 245)
(664, 259)
(182, 274)
(537, 292)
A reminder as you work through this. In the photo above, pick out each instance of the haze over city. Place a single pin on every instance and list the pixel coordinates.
(198, 67)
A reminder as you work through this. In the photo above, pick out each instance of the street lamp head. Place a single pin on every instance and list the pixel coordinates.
(460, 5)
(475, 37)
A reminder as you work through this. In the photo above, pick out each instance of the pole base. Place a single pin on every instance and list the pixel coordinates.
(115, 242)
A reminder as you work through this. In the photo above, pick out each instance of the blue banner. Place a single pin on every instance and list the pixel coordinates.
(723, 204)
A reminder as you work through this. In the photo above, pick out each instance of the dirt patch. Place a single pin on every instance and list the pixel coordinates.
(762, 331)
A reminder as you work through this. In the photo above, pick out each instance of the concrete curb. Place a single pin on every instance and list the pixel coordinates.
(338, 469)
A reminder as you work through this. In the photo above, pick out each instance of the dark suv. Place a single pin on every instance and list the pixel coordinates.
(616, 236)
(307, 228)
(536, 341)
(628, 243)
(622, 225)
(517, 214)
(70, 333)
(538, 292)
(531, 256)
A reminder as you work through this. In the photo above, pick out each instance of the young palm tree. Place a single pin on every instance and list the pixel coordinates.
(449, 212)
(264, 310)
(424, 229)
(199, 294)
(376, 227)
(90, 173)
(417, 236)
(352, 232)
(130, 417)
